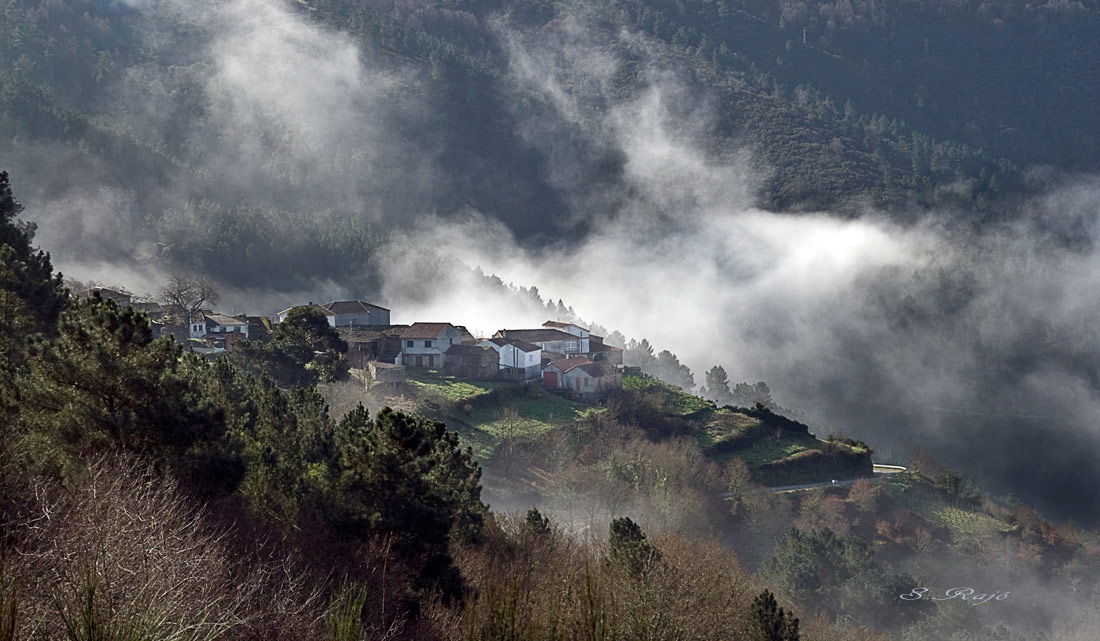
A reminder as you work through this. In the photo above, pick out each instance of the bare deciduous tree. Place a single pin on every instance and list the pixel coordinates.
(122, 555)
(185, 295)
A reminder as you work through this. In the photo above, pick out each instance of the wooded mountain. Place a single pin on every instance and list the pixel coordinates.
(840, 103)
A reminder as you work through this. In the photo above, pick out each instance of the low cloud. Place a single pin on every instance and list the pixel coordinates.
(973, 344)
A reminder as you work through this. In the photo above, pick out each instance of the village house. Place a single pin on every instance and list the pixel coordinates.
(259, 327)
(222, 331)
(197, 324)
(425, 344)
(179, 332)
(518, 360)
(475, 362)
(562, 340)
(151, 309)
(551, 341)
(347, 313)
(222, 324)
(571, 328)
(581, 376)
(367, 344)
(357, 312)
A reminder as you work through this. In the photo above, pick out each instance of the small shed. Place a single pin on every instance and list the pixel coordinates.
(381, 372)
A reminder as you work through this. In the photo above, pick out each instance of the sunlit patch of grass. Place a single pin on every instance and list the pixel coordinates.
(452, 388)
(727, 425)
(769, 450)
(484, 421)
(966, 523)
(683, 403)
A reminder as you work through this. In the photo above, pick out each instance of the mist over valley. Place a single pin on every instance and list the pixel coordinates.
(886, 212)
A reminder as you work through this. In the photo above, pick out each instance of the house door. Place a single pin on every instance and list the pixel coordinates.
(550, 379)
(420, 361)
(431, 361)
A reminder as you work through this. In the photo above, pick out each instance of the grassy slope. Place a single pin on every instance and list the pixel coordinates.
(486, 412)
(777, 451)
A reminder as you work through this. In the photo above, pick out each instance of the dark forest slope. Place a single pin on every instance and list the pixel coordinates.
(842, 102)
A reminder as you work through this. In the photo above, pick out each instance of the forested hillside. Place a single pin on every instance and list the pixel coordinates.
(842, 103)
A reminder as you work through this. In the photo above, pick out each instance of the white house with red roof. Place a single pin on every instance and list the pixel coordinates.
(425, 344)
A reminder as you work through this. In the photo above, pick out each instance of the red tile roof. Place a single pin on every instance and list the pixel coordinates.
(567, 364)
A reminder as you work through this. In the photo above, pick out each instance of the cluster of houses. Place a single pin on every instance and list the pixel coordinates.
(558, 355)
(203, 331)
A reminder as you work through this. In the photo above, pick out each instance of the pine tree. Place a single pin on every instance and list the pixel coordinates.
(104, 383)
(639, 354)
(304, 349)
(718, 386)
(536, 522)
(31, 295)
(627, 546)
(774, 624)
(406, 477)
(669, 369)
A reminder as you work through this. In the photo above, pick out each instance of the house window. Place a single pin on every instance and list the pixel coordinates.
(427, 343)
(408, 343)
